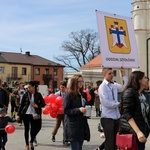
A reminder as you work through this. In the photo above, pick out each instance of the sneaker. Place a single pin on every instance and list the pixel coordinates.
(53, 138)
(35, 142)
(20, 124)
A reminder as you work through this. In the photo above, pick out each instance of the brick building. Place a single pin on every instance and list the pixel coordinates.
(26, 67)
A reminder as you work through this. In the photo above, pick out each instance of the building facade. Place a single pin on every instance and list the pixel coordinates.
(14, 72)
(18, 67)
(141, 21)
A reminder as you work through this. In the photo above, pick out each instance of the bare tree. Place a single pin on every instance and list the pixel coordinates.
(82, 47)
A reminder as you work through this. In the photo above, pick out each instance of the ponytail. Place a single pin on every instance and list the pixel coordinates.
(35, 84)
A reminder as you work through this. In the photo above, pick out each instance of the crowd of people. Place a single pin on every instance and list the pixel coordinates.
(26, 107)
(130, 115)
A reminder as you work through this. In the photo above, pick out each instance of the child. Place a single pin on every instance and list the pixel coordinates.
(3, 123)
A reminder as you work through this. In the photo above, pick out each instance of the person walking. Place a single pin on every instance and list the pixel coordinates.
(60, 116)
(4, 97)
(97, 102)
(136, 108)
(30, 110)
(13, 104)
(110, 114)
(20, 91)
(76, 128)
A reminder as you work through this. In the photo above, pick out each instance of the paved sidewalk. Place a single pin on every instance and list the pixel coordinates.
(16, 140)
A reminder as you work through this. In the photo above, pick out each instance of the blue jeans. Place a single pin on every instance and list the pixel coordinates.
(76, 145)
(3, 139)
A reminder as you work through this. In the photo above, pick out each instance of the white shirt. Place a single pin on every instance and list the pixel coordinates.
(31, 109)
(108, 94)
(59, 93)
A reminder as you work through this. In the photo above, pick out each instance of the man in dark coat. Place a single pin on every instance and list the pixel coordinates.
(4, 97)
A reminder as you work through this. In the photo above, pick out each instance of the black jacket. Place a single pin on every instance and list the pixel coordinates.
(75, 124)
(5, 98)
(38, 99)
(131, 108)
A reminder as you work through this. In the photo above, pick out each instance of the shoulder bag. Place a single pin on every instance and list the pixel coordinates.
(126, 141)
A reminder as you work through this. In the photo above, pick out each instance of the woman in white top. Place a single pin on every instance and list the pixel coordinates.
(30, 110)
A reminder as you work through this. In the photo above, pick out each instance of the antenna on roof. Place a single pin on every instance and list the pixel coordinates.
(21, 50)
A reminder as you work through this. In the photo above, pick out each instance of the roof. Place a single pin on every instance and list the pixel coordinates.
(19, 58)
(95, 62)
(2, 59)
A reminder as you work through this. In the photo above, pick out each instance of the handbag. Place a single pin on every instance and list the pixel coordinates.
(36, 116)
(126, 141)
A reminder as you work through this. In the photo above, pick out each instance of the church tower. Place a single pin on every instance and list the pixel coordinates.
(141, 21)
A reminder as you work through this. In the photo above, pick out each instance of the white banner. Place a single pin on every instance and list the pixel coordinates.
(117, 41)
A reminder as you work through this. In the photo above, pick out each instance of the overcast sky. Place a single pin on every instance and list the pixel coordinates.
(40, 26)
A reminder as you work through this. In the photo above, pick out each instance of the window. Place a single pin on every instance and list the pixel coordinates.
(55, 72)
(24, 71)
(14, 72)
(37, 71)
(46, 71)
(2, 69)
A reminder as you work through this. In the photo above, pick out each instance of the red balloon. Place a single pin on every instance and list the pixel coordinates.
(54, 107)
(60, 110)
(59, 100)
(53, 114)
(10, 129)
(46, 99)
(52, 98)
(46, 110)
